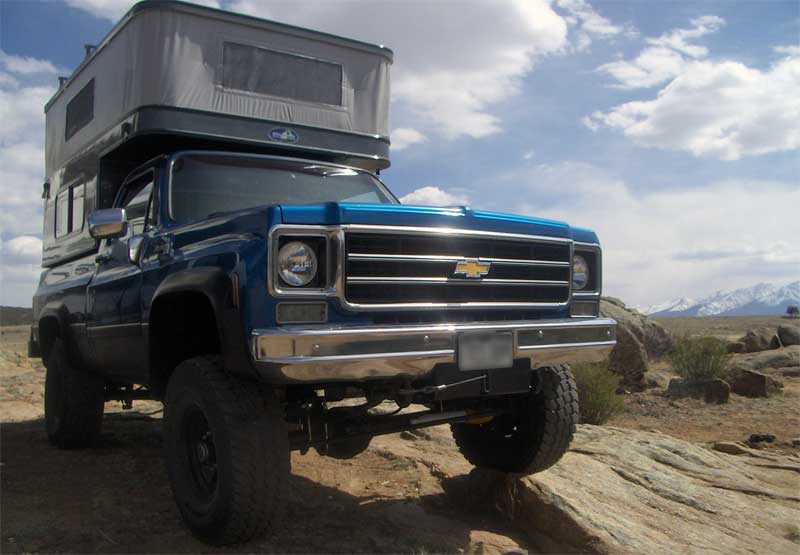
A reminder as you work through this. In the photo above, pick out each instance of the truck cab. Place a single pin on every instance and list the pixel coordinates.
(243, 263)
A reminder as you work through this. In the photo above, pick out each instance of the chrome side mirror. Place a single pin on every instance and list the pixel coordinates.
(108, 223)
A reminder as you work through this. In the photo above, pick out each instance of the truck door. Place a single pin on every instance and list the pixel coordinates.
(114, 296)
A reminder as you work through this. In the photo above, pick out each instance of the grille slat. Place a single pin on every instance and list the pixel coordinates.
(417, 268)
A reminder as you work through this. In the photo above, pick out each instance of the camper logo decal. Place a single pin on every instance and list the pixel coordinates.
(283, 135)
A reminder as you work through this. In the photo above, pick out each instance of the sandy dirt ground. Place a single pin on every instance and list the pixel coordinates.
(115, 498)
(724, 327)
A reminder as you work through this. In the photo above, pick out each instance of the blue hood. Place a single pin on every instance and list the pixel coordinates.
(460, 217)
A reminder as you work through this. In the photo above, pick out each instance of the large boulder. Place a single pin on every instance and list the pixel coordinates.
(621, 491)
(761, 339)
(750, 383)
(655, 339)
(629, 359)
(788, 357)
(712, 391)
(639, 339)
(789, 335)
(625, 491)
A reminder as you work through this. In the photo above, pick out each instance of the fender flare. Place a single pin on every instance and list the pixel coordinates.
(217, 287)
(52, 311)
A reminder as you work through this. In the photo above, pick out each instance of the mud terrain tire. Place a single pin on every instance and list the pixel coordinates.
(73, 401)
(535, 437)
(227, 452)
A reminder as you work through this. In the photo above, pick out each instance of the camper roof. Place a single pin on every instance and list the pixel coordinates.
(144, 5)
(173, 68)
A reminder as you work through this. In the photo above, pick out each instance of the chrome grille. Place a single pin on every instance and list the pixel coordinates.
(417, 268)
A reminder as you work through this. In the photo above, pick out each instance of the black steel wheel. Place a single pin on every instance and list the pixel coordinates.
(532, 438)
(227, 452)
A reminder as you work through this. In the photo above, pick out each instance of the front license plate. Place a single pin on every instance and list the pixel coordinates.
(484, 351)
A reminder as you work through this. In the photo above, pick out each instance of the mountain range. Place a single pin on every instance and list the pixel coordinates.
(760, 299)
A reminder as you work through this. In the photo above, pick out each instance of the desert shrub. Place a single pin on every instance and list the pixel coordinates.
(700, 358)
(597, 392)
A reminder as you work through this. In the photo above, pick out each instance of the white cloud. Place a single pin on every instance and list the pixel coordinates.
(715, 109)
(670, 243)
(586, 24)
(404, 137)
(24, 249)
(115, 9)
(434, 196)
(19, 269)
(665, 58)
(722, 110)
(27, 65)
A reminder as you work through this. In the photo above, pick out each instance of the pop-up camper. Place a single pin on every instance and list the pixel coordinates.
(171, 76)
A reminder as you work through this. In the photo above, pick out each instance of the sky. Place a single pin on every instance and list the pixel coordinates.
(671, 128)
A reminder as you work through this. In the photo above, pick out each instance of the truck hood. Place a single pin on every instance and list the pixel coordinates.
(460, 217)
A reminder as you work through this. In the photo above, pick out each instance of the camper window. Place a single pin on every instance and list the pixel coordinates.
(256, 70)
(80, 110)
(69, 210)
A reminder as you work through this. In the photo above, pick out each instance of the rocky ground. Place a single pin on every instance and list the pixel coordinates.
(669, 475)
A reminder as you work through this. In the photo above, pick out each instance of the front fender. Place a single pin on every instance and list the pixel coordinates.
(216, 286)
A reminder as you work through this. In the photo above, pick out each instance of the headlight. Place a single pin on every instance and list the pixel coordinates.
(297, 263)
(580, 272)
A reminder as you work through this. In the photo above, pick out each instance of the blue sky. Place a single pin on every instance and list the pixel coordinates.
(669, 127)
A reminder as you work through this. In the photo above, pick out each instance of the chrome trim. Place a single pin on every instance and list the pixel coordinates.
(333, 271)
(316, 353)
(409, 230)
(335, 282)
(448, 258)
(440, 280)
(403, 230)
(598, 252)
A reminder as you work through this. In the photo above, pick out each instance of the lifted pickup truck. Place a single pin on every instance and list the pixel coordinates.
(250, 270)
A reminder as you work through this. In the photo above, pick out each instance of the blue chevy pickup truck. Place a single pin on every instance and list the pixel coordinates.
(217, 237)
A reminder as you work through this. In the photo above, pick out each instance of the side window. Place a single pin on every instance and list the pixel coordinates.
(80, 110)
(70, 210)
(137, 201)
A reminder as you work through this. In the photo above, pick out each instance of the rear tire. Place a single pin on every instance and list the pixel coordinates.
(73, 401)
(533, 438)
(227, 451)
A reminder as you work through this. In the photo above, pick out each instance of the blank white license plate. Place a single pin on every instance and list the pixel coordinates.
(484, 351)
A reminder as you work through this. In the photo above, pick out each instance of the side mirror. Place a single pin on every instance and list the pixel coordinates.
(108, 223)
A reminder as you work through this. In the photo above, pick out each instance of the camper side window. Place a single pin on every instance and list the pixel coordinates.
(70, 210)
(261, 71)
(80, 110)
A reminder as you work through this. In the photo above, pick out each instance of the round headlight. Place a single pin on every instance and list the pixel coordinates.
(580, 272)
(297, 263)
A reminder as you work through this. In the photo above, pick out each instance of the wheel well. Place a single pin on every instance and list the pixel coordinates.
(182, 325)
(49, 330)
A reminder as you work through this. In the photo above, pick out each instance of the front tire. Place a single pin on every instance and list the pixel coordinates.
(227, 452)
(73, 401)
(531, 439)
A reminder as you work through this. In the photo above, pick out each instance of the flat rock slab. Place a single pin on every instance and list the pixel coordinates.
(626, 491)
(623, 491)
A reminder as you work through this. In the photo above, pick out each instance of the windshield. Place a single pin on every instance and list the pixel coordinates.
(203, 184)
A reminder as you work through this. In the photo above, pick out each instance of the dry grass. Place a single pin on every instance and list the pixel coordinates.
(597, 392)
(699, 358)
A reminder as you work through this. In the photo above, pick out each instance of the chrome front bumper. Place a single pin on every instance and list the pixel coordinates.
(330, 354)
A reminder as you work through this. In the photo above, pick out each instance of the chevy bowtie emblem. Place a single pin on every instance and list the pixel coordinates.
(472, 268)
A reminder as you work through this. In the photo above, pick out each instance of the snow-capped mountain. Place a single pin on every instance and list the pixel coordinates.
(760, 299)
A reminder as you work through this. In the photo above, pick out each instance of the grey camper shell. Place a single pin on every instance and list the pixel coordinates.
(171, 76)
